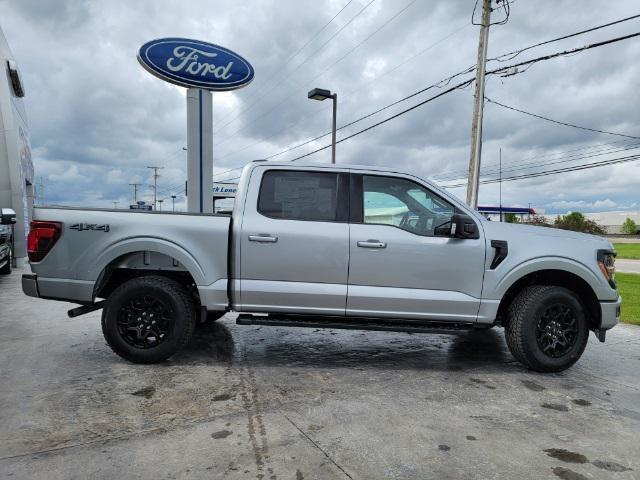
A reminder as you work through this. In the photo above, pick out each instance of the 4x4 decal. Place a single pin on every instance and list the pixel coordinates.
(81, 227)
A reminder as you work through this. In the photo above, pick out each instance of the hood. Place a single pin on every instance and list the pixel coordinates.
(507, 231)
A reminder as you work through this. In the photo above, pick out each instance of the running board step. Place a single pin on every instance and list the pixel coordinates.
(355, 323)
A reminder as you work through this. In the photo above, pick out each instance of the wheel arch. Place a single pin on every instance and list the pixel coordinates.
(555, 277)
(137, 257)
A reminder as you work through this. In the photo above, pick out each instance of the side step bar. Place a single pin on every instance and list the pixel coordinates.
(355, 323)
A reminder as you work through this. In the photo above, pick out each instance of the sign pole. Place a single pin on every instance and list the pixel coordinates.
(199, 150)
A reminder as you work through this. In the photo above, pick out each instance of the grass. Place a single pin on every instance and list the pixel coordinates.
(628, 250)
(629, 288)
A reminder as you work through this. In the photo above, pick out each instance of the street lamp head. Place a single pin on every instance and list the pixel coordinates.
(173, 196)
(319, 94)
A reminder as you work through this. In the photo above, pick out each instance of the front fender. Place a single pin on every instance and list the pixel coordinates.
(497, 283)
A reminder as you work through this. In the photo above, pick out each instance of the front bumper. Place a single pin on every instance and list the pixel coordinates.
(610, 313)
(30, 285)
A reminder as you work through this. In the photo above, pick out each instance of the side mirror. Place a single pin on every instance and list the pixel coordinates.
(7, 216)
(463, 226)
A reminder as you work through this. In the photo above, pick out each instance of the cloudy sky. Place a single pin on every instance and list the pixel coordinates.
(98, 119)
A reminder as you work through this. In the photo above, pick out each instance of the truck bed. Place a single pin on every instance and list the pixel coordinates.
(94, 240)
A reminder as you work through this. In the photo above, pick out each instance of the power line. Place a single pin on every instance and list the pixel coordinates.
(468, 82)
(288, 74)
(558, 121)
(324, 70)
(515, 53)
(407, 110)
(568, 159)
(563, 53)
(443, 83)
(360, 87)
(630, 158)
(500, 57)
(586, 152)
(278, 71)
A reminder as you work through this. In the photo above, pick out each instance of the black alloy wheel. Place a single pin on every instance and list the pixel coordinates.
(145, 321)
(557, 330)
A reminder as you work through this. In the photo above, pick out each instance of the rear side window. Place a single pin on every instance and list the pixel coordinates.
(299, 195)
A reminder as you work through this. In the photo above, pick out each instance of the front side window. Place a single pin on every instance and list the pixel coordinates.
(299, 195)
(406, 205)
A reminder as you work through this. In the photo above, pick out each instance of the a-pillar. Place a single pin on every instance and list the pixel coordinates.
(199, 151)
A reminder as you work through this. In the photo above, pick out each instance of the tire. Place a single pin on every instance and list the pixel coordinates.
(547, 329)
(165, 310)
(6, 270)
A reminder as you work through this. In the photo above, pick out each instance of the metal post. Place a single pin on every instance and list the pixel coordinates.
(500, 183)
(135, 191)
(333, 129)
(199, 151)
(173, 203)
(473, 183)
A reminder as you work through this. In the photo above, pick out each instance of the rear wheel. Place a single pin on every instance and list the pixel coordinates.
(547, 328)
(148, 319)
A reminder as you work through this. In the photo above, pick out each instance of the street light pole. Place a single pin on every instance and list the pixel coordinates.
(322, 94)
(173, 203)
(160, 202)
(334, 97)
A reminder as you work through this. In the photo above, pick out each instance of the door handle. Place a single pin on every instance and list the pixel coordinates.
(372, 244)
(263, 238)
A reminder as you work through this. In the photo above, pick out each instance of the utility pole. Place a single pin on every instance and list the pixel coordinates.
(473, 183)
(135, 191)
(155, 186)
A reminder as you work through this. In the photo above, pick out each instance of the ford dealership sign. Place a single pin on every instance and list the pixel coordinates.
(192, 63)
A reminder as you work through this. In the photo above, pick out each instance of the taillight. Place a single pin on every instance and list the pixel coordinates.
(42, 237)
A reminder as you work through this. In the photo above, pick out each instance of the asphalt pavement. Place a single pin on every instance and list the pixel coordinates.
(245, 402)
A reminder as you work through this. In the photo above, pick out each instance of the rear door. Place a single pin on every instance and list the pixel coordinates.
(403, 264)
(294, 246)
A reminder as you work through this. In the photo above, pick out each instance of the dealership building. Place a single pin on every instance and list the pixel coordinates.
(16, 166)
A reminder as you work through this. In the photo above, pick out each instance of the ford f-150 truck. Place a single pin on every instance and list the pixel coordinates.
(326, 246)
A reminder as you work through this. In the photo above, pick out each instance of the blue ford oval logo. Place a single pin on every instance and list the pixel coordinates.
(192, 63)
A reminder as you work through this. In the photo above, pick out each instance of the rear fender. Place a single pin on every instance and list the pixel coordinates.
(134, 245)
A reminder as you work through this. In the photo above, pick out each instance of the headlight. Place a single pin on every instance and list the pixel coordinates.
(606, 262)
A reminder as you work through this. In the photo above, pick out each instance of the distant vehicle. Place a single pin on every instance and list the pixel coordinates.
(327, 246)
(7, 219)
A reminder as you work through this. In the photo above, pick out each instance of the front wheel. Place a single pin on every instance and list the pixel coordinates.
(148, 319)
(547, 329)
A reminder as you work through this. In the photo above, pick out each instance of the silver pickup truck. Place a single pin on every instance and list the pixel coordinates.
(326, 246)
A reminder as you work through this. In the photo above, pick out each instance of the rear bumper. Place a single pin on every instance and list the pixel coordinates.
(64, 289)
(30, 285)
(610, 313)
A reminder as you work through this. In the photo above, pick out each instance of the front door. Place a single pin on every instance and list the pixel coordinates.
(294, 247)
(403, 264)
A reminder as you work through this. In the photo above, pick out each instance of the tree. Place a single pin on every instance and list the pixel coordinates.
(510, 218)
(629, 227)
(577, 222)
